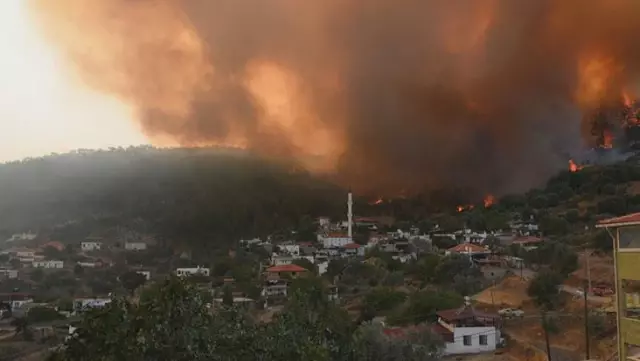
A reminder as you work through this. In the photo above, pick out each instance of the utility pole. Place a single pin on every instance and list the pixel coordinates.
(588, 255)
(586, 325)
(545, 328)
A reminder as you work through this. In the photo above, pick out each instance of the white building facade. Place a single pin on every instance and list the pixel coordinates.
(135, 246)
(183, 272)
(333, 240)
(91, 246)
(48, 264)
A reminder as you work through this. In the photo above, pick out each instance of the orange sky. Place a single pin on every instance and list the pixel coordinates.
(44, 107)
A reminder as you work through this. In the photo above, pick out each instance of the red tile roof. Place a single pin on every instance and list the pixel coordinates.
(286, 268)
(337, 235)
(628, 220)
(467, 248)
(57, 245)
(443, 332)
(351, 246)
(465, 312)
(527, 239)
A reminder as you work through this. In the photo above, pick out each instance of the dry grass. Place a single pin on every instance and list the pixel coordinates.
(511, 292)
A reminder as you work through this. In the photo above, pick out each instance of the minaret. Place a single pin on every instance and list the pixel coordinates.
(350, 214)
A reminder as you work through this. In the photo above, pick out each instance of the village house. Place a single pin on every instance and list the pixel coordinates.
(146, 274)
(290, 270)
(331, 240)
(16, 300)
(6, 273)
(83, 304)
(466, 330)
(191, 271)
(324, 221)
(528, 243)
(290, 248)
(48, 264)
(275, 289)
(469, 249)
(27, 236)
(353, 250)
(88, 246)
(135, 246)
(281, 260)
(90, 264)
(54, 244)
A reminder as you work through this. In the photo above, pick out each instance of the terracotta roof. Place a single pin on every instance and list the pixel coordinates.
(57, 245)
(465, 312)
(443, 332)
(466, 248)
(351, 246)
(628, 220)
(337, 235)
(286, 268)
(527, 239)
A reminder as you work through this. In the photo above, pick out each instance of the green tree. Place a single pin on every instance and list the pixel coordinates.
(78, 270)
(227, 295)
(305, 263)
(544, 289)
(423, 305)
(43, 314)
(131, 280)
(37, 275)
(371, 344)
(22, 327)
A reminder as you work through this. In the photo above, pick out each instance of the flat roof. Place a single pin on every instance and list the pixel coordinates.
(632, 219)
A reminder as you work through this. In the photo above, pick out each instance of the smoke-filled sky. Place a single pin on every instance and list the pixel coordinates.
(389, 94)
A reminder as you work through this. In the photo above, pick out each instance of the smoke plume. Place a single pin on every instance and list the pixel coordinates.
(390, 95)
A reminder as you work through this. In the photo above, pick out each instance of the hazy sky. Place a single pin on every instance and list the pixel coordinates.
(44, 107)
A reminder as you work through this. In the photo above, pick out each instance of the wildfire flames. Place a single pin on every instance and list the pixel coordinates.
(340, 89)
(377, 201)
(463, 208)
(489, 200)
(573, 167)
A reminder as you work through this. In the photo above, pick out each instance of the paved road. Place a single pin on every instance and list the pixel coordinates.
(578, 292)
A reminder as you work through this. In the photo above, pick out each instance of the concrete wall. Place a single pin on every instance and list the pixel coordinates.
(458, 347)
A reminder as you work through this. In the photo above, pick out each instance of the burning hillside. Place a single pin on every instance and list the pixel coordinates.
(483, 94)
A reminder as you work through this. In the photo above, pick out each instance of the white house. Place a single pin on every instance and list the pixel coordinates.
(16, 300)
(91, 246)
(193, 271)
(281, 260)
(135, 246)
(292, 249)
(80, 304)
(332, 240)
(8, 273)
(22, 237)
(466, 330)
(324, 221)
(48, 264)
(354, 249)
(146, 274)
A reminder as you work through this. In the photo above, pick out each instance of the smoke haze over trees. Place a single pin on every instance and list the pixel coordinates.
(388, 95)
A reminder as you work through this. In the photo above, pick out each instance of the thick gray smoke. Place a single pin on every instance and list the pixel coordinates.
(389, 95)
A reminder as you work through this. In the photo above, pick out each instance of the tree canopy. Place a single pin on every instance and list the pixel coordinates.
(172, 321)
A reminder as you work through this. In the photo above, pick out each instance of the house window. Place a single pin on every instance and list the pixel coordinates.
(484, 340)
(466, 340)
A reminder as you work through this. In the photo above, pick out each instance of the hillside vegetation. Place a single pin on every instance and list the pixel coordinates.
(192, 196)
(203, 197)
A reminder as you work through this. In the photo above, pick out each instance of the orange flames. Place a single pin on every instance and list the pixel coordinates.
(573, 167)
(607, 139)
(378, 201)
(489, 200)
(465, 207)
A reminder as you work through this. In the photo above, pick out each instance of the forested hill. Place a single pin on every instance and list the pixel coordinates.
(189, 195)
